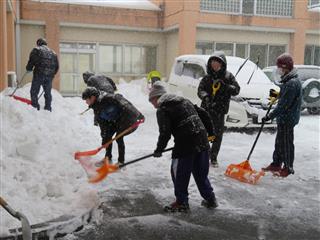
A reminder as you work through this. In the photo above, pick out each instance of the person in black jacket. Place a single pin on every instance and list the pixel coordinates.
(114, 114)
(215, 91)
(177, 116)
(44, 63)
(99, 81)
(287, 113)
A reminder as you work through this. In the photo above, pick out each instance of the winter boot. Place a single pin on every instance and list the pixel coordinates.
(285, 172)
(177, 207)
(210, 203)
(272, 168)
(215, 164)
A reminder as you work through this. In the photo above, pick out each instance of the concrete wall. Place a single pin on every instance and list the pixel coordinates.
(172, 50)
(29, 36)
(313, 39)
(220, 35)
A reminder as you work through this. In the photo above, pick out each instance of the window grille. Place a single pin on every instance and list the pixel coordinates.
(225, 6)
(281, 8)
(273, 8)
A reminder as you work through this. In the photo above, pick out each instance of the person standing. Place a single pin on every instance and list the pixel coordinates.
(215, 90)
(114, 114)
(287, 113)
(177, 116)
(44, 63)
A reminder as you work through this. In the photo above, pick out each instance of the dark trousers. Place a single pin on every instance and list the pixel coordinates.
(46, 83)
(181, 169)
(284, 147)
(107, 131)
(218, 123)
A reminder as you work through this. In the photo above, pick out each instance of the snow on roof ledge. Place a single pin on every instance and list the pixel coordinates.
(131, 4)
(314, 8)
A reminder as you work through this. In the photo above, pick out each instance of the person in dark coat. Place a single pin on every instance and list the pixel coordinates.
(215, 90)
(44, 63)
(99, 81)
(114, 114)
(287, 113)
(177, 116)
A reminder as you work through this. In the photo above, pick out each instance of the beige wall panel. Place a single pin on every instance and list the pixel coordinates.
(220, 35)
(73, 34)
(172, 50)
(29, 36)
(313, 39)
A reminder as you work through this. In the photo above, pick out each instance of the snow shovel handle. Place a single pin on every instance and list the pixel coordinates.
(144, 157)
(5, 205)
(18, 84)
(260, 130)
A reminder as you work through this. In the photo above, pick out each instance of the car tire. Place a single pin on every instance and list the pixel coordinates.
(309, 86)
(313, 110)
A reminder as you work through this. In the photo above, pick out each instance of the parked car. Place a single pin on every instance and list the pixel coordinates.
(310, 79)
(246, 109)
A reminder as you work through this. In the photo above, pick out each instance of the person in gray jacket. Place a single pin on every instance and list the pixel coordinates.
(287, 113)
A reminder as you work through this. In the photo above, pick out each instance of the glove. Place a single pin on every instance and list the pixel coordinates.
(273, 93)
(157, 154)
(266, 118)
(211, 138)
(206, 102)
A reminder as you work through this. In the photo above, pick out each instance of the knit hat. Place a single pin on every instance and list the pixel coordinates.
(157, 90)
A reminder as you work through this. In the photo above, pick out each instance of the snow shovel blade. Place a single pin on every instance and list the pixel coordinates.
(78, 155)
(103, 171)
(244, 173)
(25, 100)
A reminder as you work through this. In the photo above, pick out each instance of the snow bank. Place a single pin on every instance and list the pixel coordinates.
(38, 174)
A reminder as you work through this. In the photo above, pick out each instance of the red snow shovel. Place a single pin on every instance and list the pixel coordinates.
(100, 173)
(110, 168)
(243, 171)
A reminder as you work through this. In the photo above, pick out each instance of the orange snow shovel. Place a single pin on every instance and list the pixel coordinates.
(243, 171)
(100, 173)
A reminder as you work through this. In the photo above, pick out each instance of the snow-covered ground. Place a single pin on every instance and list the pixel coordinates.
(40, 177)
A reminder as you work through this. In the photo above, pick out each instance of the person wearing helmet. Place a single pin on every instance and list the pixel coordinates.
(215, 90)
(153, 76)
(114, 114)
(287, 113)
(44, 63)
(99, 81)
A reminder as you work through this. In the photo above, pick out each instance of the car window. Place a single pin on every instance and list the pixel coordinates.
(193, 70)
(178, 68)
(306, 73)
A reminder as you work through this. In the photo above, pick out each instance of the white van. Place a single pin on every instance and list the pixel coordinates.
(246, 109)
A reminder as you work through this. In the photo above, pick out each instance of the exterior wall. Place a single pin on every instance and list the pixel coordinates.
(220, 35)
(313, 39)
(172, 50)
(29, 35)
(3, 46)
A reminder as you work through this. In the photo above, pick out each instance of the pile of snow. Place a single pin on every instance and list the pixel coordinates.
(38, 174)
(40, 177)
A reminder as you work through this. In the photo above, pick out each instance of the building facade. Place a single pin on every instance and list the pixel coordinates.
(128, 42)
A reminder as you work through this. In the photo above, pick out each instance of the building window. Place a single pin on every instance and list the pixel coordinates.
(113, 59)
(272, 8)
(226, 47)
(75, 59)
(266, 53)
(312, 55)
(204, 48)
(313, 3)
(274, 52)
